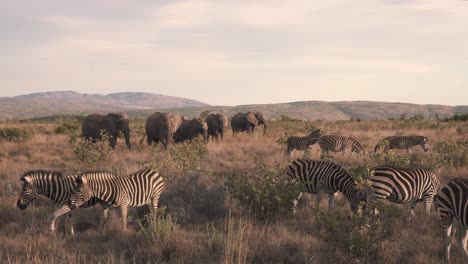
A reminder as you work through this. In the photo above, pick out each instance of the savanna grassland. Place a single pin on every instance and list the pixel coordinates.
(224, 202)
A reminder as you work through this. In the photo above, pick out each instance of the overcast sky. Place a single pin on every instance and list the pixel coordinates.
(239, 52)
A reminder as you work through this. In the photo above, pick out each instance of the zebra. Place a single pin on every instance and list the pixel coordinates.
(137, 189)
(450, 202)
(400, 185)
(55, 186)
(302, 143)
(336, 143)
(402, 142)
(324, 177)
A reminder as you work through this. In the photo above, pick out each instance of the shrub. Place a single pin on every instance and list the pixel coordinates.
(14, 134)
(283, 140)
(289, 119)
(91, 153)
(67, 127)
(263, 191)
(359, 236)
(159, 230)
(178, 159)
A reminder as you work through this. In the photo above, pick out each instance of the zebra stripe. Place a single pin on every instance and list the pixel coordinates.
(136, 189)
(303, 143)
(452, 202)
(324, 177)
(401, 185)
(336, 143)
(402, 142)
(55, 186)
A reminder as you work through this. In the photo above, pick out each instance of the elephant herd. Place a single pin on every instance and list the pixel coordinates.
(168, 127)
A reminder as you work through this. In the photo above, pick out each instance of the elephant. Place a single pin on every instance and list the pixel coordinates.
(111, 124)
(191, 128)
(216, 125)
(161, 127)
(241, 122)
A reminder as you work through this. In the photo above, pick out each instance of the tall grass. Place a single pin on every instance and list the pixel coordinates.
(203, 221)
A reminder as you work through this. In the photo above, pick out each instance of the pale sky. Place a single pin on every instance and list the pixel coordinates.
(239, 52)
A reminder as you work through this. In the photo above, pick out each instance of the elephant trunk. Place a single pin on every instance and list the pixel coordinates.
(221, 132)
(127, 139)
(168, 137)
(205, 131)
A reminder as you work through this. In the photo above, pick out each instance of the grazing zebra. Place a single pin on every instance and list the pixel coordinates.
(402, 142)
(401, 185)
(452, 201)
(303, 143)
(324, 177)
(55, 186)
(136, 189)
(335, 143)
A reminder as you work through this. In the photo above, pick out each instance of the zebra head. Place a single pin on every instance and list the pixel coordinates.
(28, 193)
(316, 133)
(425, 144)
(356, 200)
(82, 193)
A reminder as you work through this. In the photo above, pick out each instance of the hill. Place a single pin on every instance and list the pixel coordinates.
(142, 104)
(69, 102)
(330, 111)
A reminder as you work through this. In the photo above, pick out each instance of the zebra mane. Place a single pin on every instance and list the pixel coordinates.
(42, 174)
(379, 167)
(356, 143)
(97, 174)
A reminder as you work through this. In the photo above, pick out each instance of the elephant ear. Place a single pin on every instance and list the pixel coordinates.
(123, 116)
(252, 119)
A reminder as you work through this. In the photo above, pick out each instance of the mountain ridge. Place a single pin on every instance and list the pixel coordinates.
(143, 104)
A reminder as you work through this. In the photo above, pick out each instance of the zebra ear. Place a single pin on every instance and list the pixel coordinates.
(81, 180)
(26, 179)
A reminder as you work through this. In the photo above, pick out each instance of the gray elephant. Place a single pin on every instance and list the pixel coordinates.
(216, 125)
(241, 122)
(110, 124)
(161, 127)
(191, 128)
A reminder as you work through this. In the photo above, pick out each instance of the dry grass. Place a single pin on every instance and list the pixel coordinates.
(206, 225)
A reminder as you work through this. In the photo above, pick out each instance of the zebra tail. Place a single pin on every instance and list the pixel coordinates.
(378, 145)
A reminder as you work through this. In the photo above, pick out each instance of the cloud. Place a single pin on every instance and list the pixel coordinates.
(194, 48)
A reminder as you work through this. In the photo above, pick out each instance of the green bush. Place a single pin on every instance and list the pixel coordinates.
(14, 134)
(359, 236)
(178, 159)
(91, 153)
(263, 191)
(452, 153)
(67, 127)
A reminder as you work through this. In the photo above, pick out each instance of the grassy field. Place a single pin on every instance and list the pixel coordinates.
(202, 220)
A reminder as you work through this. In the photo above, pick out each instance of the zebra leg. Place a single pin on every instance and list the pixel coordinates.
(331, 201)
(105, 214)
(318, 199)
(154, 203)
(447, 242)
(428, 202)
(70, 225)
(123, 215)
(296, 201)
(463, 240)
(413, 205)
(61, 211)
